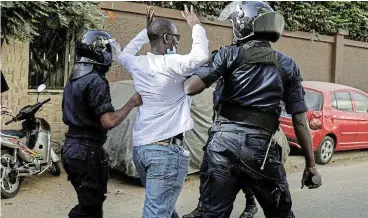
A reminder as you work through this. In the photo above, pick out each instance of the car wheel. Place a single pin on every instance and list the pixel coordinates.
(325, 150)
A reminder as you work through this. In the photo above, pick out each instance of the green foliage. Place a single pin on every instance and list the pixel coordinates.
(326, 17)
(308, 16)
(49, 26)
(22, 20)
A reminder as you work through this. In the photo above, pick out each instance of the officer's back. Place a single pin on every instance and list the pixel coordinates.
(81, 111)
(258, 86)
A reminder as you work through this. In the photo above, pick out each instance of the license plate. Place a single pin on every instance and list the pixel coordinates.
(284, 114)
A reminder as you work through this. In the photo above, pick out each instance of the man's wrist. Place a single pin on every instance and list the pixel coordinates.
(310, 168)
(144, 33)
(131, 104)
(310, 163)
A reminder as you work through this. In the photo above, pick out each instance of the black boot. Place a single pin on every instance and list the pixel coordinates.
(196, 213)
(250, 209)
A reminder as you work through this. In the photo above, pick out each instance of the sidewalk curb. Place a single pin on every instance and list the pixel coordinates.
(296, 163)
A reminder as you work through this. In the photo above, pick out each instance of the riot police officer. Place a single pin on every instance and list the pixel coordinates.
(251, 205)
(256, 79)
(89, 114)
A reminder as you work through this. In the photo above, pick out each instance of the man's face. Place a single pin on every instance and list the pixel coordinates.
(173, 38)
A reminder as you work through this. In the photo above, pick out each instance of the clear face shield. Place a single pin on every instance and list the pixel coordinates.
(229, 10)
(116, 49)
(228, 14)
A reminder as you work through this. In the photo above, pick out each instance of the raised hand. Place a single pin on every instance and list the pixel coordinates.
(190, 16)
(149, 16)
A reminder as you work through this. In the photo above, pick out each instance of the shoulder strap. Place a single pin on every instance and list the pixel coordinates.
(280, 69)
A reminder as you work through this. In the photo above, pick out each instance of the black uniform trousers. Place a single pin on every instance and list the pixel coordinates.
(235, 159)
(87, 167)
(203, 172)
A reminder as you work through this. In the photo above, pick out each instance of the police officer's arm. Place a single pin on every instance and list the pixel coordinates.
(205, 76)
(295, 105)
(194, 85)
(304, 137)
(100, 102)
(110, 120)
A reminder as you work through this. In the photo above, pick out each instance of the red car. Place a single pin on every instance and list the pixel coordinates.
(337, 116)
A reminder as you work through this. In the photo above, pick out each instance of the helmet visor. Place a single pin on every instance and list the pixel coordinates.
(229, 10)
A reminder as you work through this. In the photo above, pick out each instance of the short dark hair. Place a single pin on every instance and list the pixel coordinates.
(158, 28)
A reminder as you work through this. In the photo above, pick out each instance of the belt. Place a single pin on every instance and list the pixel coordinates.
(86, 134)
(170, 141)
(238, 128)
(83, 141)
(251, 117)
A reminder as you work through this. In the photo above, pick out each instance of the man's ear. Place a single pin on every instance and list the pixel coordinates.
(166, 38)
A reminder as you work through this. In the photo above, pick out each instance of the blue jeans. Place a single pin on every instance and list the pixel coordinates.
(162, 170)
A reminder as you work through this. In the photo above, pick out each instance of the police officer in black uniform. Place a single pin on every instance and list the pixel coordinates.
(89, 114)
(251, 205)
(256, 79)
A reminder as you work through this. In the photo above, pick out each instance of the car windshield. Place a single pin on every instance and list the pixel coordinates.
(313, 100)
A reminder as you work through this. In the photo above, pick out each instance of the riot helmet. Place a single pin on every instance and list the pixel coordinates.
(94, 47)
(253, 20)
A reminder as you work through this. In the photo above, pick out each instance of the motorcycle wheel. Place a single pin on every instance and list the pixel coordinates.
(55, 168)
(9, 186)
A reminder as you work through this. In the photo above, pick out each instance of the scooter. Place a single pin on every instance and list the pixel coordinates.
(28, 151)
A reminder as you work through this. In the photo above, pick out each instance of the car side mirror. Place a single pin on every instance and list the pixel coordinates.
(40, 89)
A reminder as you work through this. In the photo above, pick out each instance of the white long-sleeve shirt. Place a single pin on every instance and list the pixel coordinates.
(159, 79)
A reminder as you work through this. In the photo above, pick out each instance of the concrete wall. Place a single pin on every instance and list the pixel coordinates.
(312, 57)
(324, 58)
(355, 67)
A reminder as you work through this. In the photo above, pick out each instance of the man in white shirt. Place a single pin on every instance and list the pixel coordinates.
(159, 76)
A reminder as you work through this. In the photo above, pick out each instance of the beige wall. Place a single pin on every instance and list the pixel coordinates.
(355, 71)
(316, 58)
(310, 56)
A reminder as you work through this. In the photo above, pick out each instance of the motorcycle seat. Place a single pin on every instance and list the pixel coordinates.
(13, 133)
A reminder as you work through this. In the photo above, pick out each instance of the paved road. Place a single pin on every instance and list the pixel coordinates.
(344, 194)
